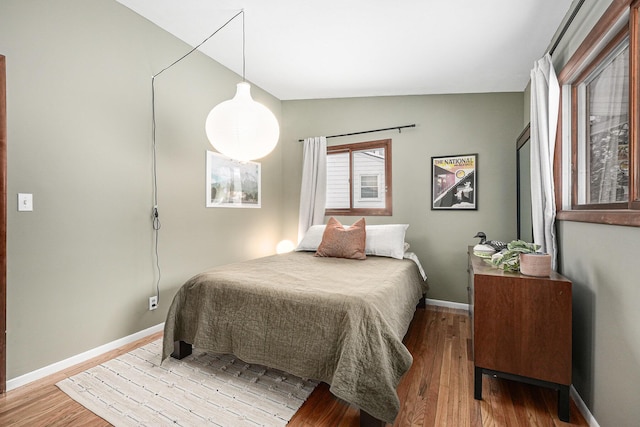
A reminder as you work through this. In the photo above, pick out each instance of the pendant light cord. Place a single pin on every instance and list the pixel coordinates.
(155, 217)
(206, 40)
(244, 60)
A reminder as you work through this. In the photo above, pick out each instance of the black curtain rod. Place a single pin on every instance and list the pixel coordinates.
(566, 26)
(369, 131)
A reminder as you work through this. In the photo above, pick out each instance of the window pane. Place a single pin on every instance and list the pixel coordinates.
(369, 186)
(604, 162)
(369, 164)
(338, 181)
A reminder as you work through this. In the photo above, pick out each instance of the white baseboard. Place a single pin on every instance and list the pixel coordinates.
(448, 304)
(582, 407)
(79, 358)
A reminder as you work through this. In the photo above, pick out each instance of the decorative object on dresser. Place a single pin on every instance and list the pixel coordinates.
(510, 258)
(536, 264)
(495, 244)
(521, 328)
(485, 248)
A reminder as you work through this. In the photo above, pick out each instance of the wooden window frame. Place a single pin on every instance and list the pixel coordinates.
(588, 72)
(577, 68)
(388, 197)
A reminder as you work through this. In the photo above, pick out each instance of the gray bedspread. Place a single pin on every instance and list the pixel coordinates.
(334, 320)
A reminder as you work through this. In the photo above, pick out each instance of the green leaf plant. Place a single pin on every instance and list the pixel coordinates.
(509, 259)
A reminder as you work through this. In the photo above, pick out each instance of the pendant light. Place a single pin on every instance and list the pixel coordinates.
(241, 128)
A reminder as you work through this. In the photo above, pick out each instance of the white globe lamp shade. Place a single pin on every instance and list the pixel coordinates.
(241, 128)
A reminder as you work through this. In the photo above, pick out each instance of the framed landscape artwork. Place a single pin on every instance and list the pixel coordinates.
(454, 184)
(232, 184)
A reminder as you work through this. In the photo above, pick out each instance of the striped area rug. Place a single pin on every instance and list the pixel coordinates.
(201, 389)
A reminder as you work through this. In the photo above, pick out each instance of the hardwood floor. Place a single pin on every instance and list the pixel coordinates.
(437, 390)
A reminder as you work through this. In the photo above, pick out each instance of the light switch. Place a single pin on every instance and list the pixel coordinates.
(25, 202)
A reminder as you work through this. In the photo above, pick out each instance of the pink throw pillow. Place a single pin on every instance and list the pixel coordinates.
(340, 242)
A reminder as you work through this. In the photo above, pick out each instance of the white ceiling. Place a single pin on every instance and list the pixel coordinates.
(305, 49)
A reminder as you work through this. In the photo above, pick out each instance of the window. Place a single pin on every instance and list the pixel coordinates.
(602, 143)
(359, 179)
(369, 187)
(600, 104)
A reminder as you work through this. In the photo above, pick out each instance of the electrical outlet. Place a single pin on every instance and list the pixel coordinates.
(153, 303)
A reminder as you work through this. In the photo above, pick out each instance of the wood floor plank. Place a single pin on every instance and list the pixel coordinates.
(434, 348)
(437, 390)
(411, 393)
(464, 413)
(452, 403)
(437, 354)
(351, 418)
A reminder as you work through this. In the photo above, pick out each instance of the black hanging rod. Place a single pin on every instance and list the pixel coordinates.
(399, 128)
(574, 12)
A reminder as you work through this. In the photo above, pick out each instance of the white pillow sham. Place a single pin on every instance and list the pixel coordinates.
(312, 238)
(382, 240)
(386, 240)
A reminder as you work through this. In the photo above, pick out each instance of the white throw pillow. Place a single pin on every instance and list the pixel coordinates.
(386, 240)
(382, 240)
(312, 238)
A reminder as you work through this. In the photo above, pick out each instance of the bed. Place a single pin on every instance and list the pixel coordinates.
(335, 320)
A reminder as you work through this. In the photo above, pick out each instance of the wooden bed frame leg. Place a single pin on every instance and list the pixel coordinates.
(367, 420)
(181, 349)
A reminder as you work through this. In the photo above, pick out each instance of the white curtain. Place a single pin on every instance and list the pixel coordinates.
(313, 191)
(545, 103)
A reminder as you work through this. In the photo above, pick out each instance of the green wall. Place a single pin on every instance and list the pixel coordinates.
(602, 262)
(80, 266)
(487, 124)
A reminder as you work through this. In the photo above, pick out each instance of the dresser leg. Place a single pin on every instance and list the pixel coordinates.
(563, 403)
(477, 383)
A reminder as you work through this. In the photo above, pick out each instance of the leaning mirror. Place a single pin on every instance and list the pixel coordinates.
(523, 156)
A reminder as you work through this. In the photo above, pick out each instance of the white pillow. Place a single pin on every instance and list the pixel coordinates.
(382, 240)
(312, 238)
(386, 240)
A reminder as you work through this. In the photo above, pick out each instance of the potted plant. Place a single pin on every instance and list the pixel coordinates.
(524, 257)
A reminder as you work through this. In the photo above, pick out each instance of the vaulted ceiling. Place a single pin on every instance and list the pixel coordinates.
(305, 49)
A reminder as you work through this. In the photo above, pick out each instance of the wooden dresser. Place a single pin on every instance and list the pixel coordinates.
(521, 328)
